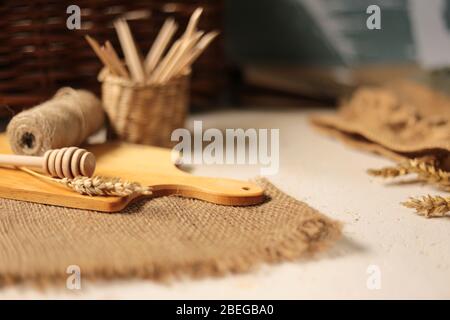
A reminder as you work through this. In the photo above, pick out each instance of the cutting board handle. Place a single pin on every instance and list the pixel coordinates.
(215, 190)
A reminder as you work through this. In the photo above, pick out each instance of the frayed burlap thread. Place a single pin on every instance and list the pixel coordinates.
(157, 239)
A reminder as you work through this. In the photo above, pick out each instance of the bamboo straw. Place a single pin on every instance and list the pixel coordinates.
(116, 60)
(130, 51)
(196, 52)
(100, 54)
(186, 42)
(159, 46)
(172, 55)
(111, 65)
(136, 15)
(156, 76)
(159, 66)
(192, 24)
(183, 50)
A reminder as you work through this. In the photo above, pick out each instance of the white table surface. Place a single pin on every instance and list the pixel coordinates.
(413, 253)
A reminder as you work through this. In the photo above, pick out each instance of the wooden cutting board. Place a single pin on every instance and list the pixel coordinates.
(147, 165)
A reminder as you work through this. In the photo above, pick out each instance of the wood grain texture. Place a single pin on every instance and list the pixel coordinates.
(149, 166)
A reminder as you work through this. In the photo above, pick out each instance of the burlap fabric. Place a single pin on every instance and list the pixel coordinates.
(404, 119)
(157, 238)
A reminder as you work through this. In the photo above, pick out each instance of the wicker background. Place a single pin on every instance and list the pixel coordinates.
(38, 54)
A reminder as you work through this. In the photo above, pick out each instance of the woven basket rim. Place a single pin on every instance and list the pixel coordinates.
(105, 77)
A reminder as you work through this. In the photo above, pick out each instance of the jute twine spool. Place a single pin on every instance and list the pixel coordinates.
(65, 120)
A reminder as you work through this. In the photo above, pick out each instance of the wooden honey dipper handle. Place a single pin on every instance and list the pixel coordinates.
(63, 163)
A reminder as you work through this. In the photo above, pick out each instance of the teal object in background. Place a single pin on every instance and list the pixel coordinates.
(321, 32)
(261, 31)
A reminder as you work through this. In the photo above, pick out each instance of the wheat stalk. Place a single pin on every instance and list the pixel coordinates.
(429, 206)
(389, 172)
(96, 186)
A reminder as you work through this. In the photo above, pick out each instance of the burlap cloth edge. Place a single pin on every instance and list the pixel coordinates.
(370, 141)
(400, 120)
(312, 234)
(355, 139)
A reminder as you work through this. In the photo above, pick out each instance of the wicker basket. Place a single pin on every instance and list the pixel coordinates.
(145, 114)
(38, 54)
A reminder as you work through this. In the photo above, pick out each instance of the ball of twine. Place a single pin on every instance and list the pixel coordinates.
(65, 120)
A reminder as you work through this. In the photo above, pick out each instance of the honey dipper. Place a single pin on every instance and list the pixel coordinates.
(63, 163)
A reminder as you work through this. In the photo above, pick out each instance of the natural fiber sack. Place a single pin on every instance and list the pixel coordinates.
(402, 120)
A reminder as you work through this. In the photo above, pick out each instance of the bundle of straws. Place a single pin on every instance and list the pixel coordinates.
(161, 63)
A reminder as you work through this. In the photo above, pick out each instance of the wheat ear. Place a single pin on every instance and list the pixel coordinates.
(425, 170)
(96, 186)
(429, 206)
